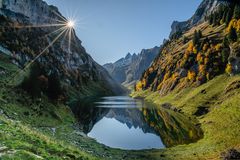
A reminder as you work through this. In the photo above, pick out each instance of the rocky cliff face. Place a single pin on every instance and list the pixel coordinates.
(129, 69)
(37, 11)
(75, 67)
(206, 8)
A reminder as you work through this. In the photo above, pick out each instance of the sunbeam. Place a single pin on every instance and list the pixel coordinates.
(38, 56)
(66, 28)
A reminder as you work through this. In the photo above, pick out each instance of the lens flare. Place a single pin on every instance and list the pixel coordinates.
(70, 24)
(60, 27)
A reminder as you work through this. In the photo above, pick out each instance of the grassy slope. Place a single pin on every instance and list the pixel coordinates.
(221, 125)
(21, 116)
(38, 128)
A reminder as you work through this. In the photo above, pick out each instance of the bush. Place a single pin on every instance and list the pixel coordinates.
(54, 90)
(37, 83)
(33, 84)
(225, 55)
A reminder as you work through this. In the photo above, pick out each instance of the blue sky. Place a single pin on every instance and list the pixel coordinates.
(109, 29)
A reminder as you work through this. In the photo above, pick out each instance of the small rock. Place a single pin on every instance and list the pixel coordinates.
(203, 91)
(201, 110)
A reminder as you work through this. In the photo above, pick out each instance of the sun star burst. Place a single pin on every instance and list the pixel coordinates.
(70, 24)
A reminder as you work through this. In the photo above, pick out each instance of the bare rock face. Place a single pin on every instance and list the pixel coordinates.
(75, 66)
(204, 10)
(37, 11)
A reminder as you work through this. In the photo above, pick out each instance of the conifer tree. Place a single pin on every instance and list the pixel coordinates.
(236, 13)
(228, 16)
(232, 35)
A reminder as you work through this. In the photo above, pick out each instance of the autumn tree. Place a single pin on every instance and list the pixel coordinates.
(229, 69)
(191, 75)
(138, 86)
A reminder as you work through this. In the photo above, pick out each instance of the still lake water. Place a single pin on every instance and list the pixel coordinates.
(132, 124)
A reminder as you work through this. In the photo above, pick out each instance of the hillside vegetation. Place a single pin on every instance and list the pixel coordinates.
(196, 73)
(197, 55)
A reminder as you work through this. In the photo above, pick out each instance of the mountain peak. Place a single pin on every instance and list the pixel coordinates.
(128, 55)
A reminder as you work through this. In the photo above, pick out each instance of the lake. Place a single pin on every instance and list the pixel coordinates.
(132, 124)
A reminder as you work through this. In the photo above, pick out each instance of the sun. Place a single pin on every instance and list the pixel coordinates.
(70, 24)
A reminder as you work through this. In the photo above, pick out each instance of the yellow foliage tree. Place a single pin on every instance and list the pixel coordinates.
(144, 83)
(208, 76)
(205, 47)
(191, 75)
(235, 24)
(166, 76)
(206, 60)
(195, 50)
(229, 69)
(218, 47)
(202, 69)
(175, 76)
(190, 47)
(199, 56)
(139, 86)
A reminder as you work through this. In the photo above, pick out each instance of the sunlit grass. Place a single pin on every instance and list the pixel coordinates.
(220, 125)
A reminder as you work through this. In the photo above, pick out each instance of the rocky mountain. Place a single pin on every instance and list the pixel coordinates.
(130, 68)
(30, 26)
(206, 48)
(206, 8)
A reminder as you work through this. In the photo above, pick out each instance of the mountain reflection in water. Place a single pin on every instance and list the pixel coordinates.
(126, 123)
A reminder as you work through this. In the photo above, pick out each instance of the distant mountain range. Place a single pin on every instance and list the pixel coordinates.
(129, 69)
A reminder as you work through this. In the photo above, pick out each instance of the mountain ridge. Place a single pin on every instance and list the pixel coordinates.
(128, 69)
